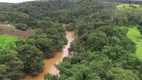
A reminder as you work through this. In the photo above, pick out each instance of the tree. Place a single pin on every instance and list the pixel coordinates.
(70, 27)
(32, 58)
(44, 24)
(10, 65)
(49, 39)
(121, 74)
(21, 26)
(48, 76)
(96, 41)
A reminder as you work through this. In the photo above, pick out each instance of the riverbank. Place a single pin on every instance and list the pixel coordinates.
(49, 63)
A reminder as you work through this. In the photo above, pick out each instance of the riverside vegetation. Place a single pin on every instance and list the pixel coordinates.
(103, 49)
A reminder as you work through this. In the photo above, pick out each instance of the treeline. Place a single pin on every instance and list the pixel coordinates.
(127, 1)
(30, 13)
(129, 16)
(4, 5)
(28, 56)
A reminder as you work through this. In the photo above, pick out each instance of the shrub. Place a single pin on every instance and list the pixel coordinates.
(21, 26)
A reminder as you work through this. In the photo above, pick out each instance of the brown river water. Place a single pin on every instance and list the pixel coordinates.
(49, 63)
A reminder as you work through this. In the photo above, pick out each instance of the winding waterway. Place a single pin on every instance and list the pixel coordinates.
(49, 63)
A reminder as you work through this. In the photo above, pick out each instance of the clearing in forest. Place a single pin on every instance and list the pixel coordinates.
(135, 36)
(14, 32)
(129, 6)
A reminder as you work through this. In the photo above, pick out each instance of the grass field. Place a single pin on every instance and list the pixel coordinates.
(7, 42)
(129, 6)
(134, 35)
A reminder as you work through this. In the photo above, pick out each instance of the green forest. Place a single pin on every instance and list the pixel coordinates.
(108, 43)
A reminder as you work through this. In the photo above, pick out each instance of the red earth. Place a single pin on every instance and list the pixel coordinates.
(16, 32)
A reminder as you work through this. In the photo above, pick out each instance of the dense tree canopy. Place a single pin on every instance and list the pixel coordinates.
(30, 52)
(102, 50)
(30, 55)
(41, 44)
(113, 44)
(10, 65)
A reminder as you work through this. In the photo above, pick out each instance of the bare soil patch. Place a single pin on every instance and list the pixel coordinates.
(16, 32)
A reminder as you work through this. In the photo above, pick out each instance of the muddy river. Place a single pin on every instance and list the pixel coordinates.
(49, 63)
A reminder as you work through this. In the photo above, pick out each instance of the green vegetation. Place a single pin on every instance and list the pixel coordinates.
(30, 13)
(50, 77)
(70, 27)
(11, 67)
(21, 26)
(7, 42)
(101, 50)
(32, 58)
(20, 57)
(134, 35)
(10, 27)
(4, 5)
(130, 15)
(10, 64)
(129, 6)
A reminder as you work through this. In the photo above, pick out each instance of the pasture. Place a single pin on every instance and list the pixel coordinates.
(135, 36)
